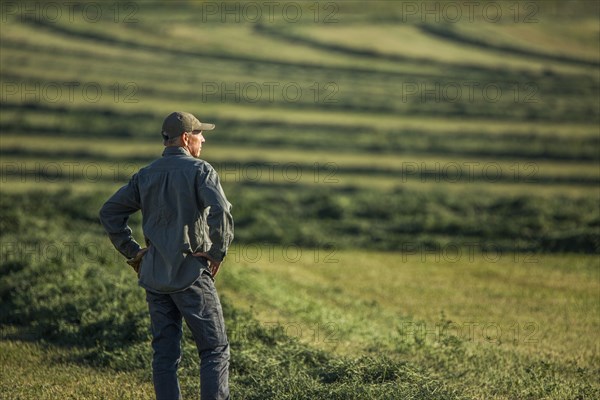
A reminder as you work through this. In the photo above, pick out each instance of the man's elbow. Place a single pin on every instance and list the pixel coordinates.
(103, 214)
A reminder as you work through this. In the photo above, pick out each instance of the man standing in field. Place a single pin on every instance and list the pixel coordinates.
(187, 227)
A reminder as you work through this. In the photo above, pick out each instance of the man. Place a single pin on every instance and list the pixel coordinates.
(187, 228)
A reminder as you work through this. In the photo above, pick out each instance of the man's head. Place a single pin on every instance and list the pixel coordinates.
(182, 129)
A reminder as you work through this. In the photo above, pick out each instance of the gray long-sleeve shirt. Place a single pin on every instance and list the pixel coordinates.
(184, 210)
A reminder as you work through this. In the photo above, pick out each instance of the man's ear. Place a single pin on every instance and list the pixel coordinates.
(184, 139)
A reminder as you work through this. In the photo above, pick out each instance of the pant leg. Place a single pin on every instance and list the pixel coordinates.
(201, 309)
(166, 343)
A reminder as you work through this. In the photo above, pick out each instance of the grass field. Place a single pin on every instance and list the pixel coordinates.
(416, 194)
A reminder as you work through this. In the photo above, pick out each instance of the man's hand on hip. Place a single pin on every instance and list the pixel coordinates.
(136, 261)
(213, 265)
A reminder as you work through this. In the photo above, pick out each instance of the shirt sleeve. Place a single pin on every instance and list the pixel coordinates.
(219, 219)
(114, 216)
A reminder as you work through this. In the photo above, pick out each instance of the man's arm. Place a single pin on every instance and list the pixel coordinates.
(114, 215)
(219, 219)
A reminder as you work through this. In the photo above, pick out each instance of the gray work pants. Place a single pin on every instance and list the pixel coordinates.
(200, 307)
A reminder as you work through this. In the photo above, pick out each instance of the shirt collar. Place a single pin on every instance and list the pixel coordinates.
(174, 150)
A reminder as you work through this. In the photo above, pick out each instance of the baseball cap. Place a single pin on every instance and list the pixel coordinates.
(178, 122)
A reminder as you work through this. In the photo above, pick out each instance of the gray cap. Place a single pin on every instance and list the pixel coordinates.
(178, 122)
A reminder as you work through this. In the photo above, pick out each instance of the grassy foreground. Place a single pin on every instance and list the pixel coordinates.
(303, 323)
(390, 342)
(33, 371)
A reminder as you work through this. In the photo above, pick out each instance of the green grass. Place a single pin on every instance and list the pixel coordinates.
(59, 162)
(495, 324)
(541, 304)
(409, 41)
(34, 371)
